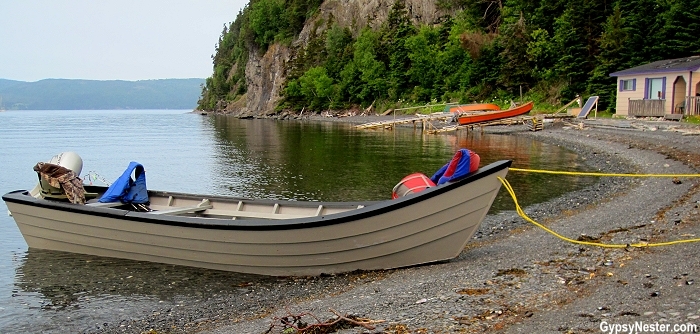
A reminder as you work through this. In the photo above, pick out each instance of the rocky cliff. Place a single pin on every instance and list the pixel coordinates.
(265, 73)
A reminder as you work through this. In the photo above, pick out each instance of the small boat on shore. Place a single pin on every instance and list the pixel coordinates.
(259, 236)
(462, 108)
(478, 117)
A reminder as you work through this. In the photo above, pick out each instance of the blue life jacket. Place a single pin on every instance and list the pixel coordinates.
(127, 190)
(455, 169)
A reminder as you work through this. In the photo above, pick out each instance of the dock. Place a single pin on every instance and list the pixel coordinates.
(427, 125)
(415, 120)
(505, 121)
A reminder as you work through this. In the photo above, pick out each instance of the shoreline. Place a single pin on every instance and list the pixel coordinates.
(512, 277)
(501, 282)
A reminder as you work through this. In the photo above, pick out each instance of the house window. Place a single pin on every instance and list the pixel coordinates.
(655, 89)
(628, 85)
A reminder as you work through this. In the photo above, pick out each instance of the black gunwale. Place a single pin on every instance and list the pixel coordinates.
(381, 207)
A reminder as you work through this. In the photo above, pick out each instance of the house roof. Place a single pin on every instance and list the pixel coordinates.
(663, 66)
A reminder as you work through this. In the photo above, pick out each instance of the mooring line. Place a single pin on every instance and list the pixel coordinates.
(522, 214)
(599, 174)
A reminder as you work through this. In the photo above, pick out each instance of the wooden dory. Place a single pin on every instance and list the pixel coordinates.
(473, 107)
(471, 118)
(268, 237)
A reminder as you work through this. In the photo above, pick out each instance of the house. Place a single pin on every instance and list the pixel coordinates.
(665, 88)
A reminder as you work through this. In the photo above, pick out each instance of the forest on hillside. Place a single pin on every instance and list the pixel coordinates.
(488, 49)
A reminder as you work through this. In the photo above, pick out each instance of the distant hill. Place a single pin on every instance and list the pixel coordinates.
(69, 94)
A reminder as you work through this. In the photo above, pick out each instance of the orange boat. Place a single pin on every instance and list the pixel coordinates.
(493, 115)
(473, 107)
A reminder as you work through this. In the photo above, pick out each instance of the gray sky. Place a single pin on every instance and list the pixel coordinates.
(111, 39)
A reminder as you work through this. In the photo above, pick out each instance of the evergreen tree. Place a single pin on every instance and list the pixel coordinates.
(612, 44)
(424, 55)
(372, 72)
(680, 26)
(266, 21)
(541, 54)
(394, 35)
(643, 22)
(338, 49)
(571, 52)
(454, 63)
(542, 14)
(513, 40)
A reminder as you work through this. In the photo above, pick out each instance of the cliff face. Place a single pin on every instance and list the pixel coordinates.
(264, 78)
(266, 74)
(357, 14)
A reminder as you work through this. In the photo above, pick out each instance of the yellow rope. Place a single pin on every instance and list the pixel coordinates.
(599, 174)
(522, 214)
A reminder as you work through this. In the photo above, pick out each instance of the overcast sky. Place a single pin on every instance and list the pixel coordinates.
(111, 39)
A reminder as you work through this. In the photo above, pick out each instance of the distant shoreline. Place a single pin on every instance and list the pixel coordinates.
(77, 94)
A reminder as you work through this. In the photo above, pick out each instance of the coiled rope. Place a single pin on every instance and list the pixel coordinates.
(522, 214)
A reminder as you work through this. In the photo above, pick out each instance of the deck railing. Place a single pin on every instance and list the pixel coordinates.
(648, 108)
(692, 105)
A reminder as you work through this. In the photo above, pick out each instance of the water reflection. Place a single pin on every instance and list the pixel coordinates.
(526, 153)
(318, 161)
(335, 162)
(65, 280)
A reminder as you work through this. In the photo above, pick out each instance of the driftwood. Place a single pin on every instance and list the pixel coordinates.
(369, 109)
(296, 323)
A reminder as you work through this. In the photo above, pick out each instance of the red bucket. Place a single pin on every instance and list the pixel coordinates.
(412, 184)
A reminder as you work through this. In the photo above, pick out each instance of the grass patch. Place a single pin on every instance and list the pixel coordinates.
(692, 119)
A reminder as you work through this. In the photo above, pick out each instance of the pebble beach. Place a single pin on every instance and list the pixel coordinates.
(513, 277)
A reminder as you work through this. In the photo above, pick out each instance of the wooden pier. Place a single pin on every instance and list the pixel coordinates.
(505, 121)
(388, 124)
(535, 123)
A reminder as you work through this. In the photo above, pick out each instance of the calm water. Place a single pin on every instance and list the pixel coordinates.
(43, 291)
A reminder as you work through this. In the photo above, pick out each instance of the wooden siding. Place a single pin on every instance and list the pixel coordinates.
(621, 105)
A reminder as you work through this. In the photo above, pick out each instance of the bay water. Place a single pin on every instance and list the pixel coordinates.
(44, 291)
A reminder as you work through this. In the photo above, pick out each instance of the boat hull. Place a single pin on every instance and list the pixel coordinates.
(473, 107)
(431, 226)
(488, 116)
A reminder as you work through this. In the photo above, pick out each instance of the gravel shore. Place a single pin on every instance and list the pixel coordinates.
(514, 277)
